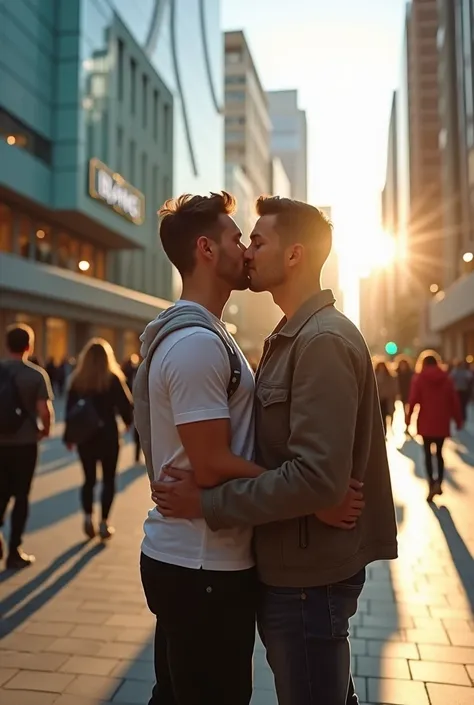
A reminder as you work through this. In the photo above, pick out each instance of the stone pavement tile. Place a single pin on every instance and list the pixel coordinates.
(433, 672)
(381, 633)
(126, 651)
(360, 685)
(68, 699)
(393, 649)
(100, 687)
(102, 633)
(25, 642)
(427, 636)
(87, 665)
(76, 617)
(263, 697)
(449, 694)
(470, 670)
(76, 647)
(358, 647)
(32, 662)
(40, 681)
(458, 625)
(401, 608)
(390, 621)
(48, 628)
(429, 623)
(133, 692)
(382, 667)
(27, 697)
(127, 608)
(134, 636)
(461, 638)
(447, 654)
(450, 613)
(132, 621)
(136, 670)
(6, 674)
(397, 692)
(263, 678)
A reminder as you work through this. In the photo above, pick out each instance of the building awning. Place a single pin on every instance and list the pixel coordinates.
(457, 304)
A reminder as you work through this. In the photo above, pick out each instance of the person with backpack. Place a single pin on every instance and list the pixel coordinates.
(25, 396)
(194, 409)
(97, 392)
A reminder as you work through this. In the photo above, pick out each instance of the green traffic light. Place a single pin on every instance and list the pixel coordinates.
(391, 348)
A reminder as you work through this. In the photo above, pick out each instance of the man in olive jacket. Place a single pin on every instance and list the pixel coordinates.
(318, 425)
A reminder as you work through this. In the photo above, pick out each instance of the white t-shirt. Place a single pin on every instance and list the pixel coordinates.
(188, 380)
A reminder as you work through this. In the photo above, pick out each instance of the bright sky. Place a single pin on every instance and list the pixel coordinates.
(343, 56)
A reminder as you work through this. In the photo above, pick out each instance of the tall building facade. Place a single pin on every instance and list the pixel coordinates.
(330, 276)
(289, 139)
(452, 311)
(93, 107)
(248, 175)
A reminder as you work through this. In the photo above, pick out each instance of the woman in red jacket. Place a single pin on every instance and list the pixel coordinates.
(433, 390)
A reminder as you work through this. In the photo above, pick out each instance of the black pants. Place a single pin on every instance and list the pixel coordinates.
(17, 467)
(103, 449)
(205, 633)
(138, 447)
(427, 443)
(464, 398)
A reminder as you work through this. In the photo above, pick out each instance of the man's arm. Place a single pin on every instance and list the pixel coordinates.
(196, 372)
(44, 405)
(324, 405)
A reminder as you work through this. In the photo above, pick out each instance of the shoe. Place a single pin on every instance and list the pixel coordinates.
(106, 531)
(432, 493)
(19, 559)
(89, 528)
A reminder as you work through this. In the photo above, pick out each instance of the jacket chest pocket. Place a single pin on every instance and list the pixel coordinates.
(273, 415)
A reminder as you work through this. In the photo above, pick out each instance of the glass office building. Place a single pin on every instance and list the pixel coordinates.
(106, 109)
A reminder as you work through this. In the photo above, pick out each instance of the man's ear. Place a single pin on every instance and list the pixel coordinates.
(295, 254)
(205, 247)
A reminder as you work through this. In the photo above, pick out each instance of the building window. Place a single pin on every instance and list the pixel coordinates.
(231, 137)
(133, 85)
(166, 126)
(17, 135)
(131, 166)
(43, 244)
(86, 263)
(144, 101)
(67, 252)
(233, 57)
(155, 114)
(235, 96)
(100, 264)
(233, 120)
(119, 149)
(24, 236)
(6, 229)
(235, 80)
(120, 59)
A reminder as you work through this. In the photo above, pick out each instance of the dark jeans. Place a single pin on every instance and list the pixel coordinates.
(464, 398)
(17, 467)
(427, 443)
(104, 449)
(205, 633)
(305, 632)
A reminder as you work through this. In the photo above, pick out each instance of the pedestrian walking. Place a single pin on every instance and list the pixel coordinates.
(433, 391)
(129, 368)
(317, 426)
(26, 396)
(97, 392)
(463, 380)
(387, 388)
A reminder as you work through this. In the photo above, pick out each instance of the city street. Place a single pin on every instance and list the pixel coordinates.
(75, 629)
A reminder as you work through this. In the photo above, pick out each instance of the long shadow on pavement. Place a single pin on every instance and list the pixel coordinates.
(461, 554)
(52, 509)
(414, 452)
(14, 620)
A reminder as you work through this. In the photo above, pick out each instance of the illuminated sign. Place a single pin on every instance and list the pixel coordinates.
(111, 189)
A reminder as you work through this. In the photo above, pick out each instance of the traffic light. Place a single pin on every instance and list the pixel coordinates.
(391, 348)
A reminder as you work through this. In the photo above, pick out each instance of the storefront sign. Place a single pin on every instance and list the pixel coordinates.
(109, 187)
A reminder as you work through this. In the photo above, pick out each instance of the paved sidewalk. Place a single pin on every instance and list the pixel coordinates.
(76, 631)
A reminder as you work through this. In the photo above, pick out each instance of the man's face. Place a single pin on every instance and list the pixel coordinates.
(265, 257)
(230, 263)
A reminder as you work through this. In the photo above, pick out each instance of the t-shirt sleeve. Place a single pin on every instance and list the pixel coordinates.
(196, 373)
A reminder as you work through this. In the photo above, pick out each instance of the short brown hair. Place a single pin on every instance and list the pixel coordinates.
(187, 218)
(19, 338)
(299, 221)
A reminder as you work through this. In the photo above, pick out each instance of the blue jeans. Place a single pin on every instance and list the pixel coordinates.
(305, 632)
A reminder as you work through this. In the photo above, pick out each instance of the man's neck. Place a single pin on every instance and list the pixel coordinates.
(207, 294)
(23, 357)
(292, 296)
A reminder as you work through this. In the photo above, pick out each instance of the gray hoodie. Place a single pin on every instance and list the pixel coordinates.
(182, 315)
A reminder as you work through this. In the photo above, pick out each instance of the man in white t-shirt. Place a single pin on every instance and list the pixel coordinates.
(201, 584)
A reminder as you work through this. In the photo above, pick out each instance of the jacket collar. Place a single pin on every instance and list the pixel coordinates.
(303, 314)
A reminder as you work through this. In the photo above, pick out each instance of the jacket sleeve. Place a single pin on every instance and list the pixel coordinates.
(323, 414)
